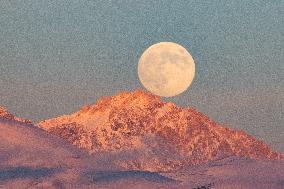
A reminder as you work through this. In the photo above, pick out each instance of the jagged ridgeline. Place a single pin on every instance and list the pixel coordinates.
(6, 115)
(146, 133)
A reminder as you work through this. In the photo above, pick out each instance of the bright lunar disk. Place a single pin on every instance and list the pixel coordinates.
(166, 69)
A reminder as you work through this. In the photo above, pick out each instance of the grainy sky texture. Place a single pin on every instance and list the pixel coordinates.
(56, 56)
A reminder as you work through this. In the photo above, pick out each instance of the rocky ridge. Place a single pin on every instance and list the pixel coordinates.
(145, 133)
(5, 114)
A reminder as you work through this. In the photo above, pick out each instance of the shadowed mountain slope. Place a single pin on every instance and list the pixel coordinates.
(33, 158)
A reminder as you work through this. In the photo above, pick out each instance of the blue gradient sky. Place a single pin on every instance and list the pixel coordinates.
(56, 56)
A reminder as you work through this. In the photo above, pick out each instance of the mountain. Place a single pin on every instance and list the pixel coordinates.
(4, 114)
(144, 133)
(33, 158)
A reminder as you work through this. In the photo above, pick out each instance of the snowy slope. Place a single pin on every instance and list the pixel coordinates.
(33, 158)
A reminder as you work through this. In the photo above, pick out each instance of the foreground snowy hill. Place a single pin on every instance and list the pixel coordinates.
(232, 173)
(32, 158)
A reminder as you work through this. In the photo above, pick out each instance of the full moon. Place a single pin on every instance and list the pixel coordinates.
(166, 69)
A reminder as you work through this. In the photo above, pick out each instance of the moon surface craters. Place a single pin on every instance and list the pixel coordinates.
(166, 69)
